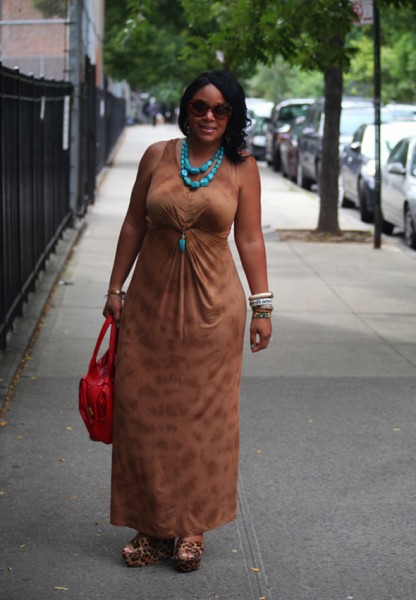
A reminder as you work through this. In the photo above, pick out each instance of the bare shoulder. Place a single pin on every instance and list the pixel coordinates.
(151, 159)
(248, 170)
(154, 152)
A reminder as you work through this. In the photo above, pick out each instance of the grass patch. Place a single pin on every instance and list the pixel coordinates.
(311, 235)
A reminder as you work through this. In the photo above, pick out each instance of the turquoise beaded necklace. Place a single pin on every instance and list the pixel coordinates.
(187, 169)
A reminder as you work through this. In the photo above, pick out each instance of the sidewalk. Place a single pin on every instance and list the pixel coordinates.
(327, 485)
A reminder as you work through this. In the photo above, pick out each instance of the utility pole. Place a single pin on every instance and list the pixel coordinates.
(75, 76)
(378, 218)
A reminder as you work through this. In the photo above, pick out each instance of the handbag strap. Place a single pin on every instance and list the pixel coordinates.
(110, 321)
(113, 342)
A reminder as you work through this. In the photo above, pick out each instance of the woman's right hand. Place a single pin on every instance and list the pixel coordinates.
(113, 307)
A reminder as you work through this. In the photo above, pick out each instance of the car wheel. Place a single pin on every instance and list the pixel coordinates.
(301, 179)
(409, 229)
(387, 227)
(277, 165)
(346, 202)
(366, 215)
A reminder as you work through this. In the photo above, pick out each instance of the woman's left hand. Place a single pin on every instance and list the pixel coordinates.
(260, 333)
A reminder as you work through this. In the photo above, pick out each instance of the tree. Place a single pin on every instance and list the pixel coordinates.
(281, 80)
(398, 57)
(311, 35)
(143, 47)
(153, 46)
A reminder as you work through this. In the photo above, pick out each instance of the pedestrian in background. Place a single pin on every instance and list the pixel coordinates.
(176, 411)
(153, 111)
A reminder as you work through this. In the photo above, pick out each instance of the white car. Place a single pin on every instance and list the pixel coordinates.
(398, 190)
(259, 111)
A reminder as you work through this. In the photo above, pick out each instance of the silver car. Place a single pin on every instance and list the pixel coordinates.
(398, 190)
(358, 163)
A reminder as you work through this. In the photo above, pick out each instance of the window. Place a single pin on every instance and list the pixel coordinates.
(399, 153)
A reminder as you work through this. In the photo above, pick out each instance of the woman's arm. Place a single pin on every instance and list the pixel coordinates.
(250, 245)
(133, 229)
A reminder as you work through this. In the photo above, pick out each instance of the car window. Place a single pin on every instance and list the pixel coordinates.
(390, 136)
(298, 128)
(413, 163)
(360, 134)
(351, 119)
(313, 117)
(399, 153)
(289, 113)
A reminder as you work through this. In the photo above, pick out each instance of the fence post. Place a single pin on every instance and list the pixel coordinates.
(75, 65)
(3, 330)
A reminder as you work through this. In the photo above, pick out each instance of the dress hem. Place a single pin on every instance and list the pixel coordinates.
(169, 534)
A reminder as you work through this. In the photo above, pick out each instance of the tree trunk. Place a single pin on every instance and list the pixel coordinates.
(329, 166)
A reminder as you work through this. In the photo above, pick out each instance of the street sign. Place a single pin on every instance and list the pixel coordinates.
(364, 11)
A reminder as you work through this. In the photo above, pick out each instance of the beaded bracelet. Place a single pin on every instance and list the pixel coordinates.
(263, 309)
(262, 315)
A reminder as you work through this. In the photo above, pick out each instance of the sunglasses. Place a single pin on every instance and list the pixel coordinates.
(199, 108)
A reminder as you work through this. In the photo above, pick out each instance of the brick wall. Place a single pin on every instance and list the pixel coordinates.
(37, 49)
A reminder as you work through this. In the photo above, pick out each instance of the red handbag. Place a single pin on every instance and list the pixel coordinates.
(96, 388)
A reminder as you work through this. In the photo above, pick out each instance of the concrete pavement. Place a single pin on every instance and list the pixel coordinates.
(327, 486)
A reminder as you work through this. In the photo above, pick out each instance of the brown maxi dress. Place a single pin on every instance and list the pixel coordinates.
(176, 421)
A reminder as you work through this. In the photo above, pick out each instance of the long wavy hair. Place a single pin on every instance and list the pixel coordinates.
(234, 137)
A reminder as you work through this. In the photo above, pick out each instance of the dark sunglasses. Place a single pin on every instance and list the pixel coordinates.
(199, 108)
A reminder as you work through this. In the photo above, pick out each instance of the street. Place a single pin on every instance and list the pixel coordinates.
(327, 479)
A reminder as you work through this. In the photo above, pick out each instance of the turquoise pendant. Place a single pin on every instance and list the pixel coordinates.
(182, 243)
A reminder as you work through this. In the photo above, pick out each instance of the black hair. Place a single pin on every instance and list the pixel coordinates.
(234, 137)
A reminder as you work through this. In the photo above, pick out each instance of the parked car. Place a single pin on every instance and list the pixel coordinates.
(354, 112)
(358, 163)
(289, 149)
(283, 115)
(398, 190)
(256, 138)
(259, 107)
(259, 111)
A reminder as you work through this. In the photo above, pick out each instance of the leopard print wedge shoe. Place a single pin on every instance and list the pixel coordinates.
(188, 555)
(144, 550)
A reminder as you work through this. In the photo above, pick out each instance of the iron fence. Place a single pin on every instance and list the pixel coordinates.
(102, 119)
(35, 168)
(34, 182)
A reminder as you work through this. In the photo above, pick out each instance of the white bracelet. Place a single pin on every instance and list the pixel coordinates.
(261, 302)
(262, 295)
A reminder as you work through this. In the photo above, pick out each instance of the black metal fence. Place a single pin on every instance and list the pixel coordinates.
(34, 182)
(35, 171)
(102, 119)
(111, 119)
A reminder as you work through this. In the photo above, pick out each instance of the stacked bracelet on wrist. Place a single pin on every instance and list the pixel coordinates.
(262, 305)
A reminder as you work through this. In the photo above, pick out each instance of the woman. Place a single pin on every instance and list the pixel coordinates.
(176, 421)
